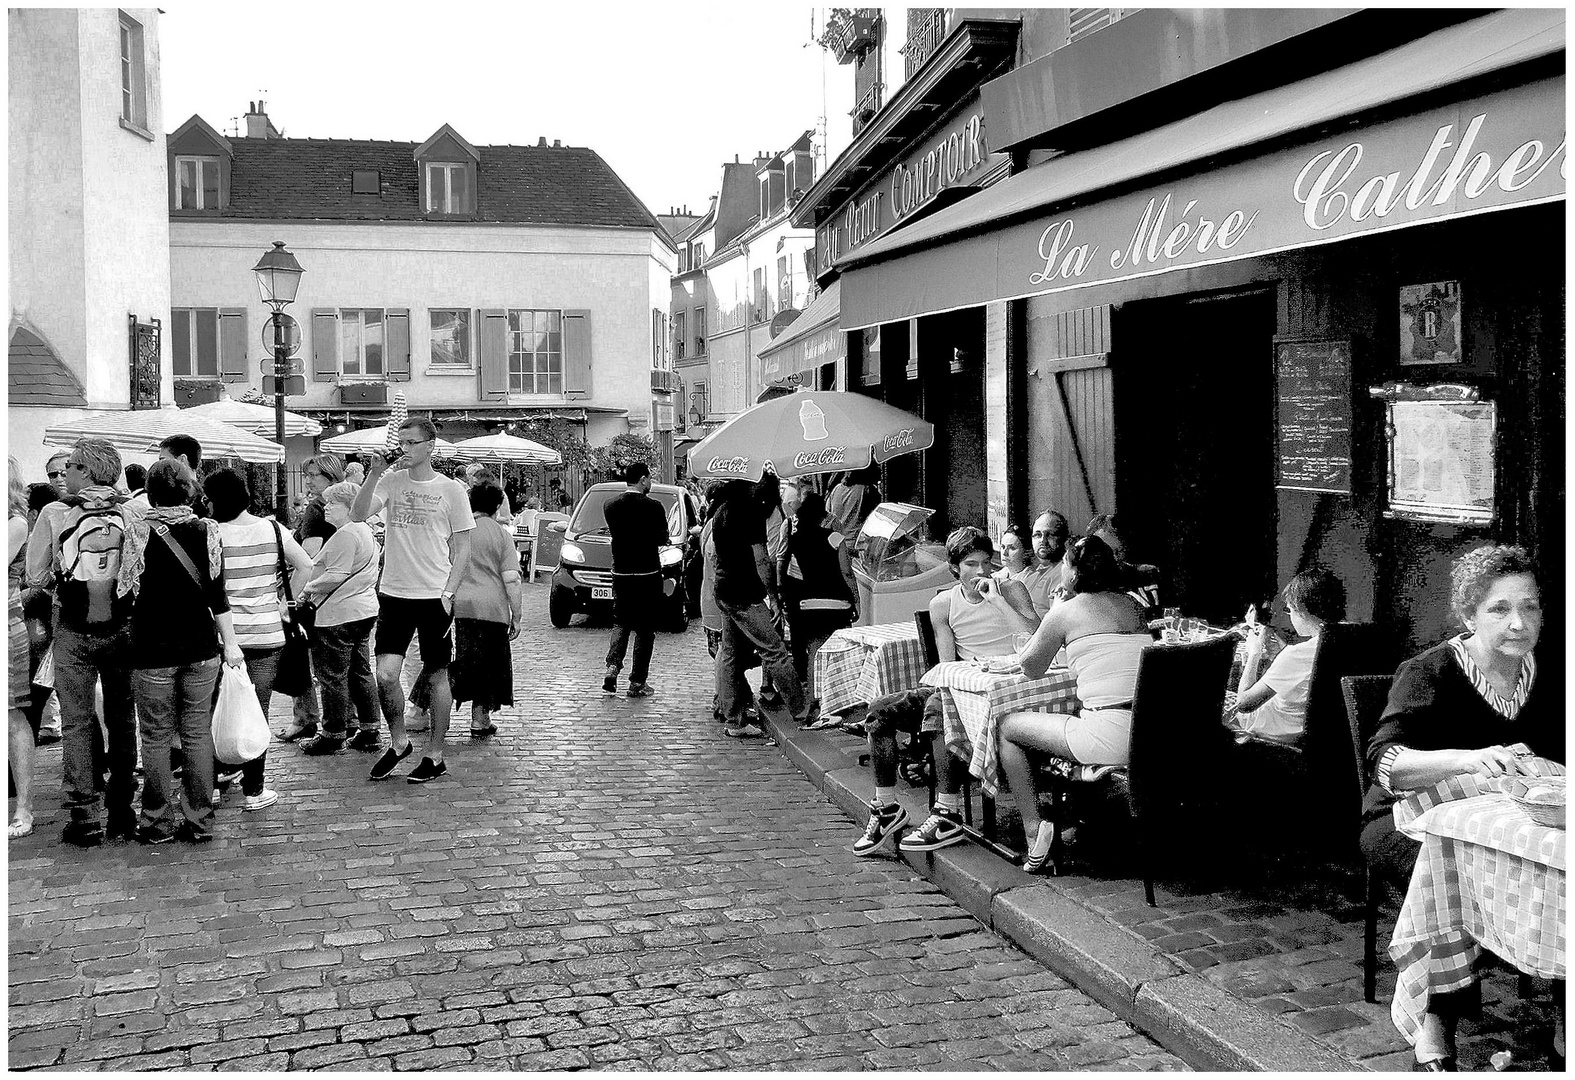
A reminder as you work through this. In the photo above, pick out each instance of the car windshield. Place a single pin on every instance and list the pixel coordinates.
(591, 518)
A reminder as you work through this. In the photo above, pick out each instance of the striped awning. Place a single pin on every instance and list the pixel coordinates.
(139, 431)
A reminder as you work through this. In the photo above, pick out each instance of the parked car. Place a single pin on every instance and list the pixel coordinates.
(583, 580)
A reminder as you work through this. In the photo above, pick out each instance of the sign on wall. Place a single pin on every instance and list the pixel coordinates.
(1312, 378)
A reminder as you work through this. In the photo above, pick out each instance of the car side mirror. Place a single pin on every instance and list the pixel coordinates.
(557, 526)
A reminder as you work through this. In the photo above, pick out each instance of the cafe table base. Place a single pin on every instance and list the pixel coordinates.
(1486, 877)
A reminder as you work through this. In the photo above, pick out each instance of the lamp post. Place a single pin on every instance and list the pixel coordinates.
(278, 277)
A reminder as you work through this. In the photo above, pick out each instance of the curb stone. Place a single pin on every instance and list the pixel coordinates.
(1188, 1016)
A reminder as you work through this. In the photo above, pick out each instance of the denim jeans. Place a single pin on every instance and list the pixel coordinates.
(81, 661)
(343, 658)
(754, 624)
(171, 701)
(636, 600)
(262, 668)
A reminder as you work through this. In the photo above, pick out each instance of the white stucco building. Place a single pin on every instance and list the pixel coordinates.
(490, 283)
(89, 231)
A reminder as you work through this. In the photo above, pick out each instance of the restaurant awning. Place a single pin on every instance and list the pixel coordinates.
(812, 339)
(1048, 231)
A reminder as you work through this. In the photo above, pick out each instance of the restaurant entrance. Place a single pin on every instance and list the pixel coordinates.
(1194, 406)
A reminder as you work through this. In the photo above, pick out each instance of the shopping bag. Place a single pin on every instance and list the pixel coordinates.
(240, 729)
(45, 675)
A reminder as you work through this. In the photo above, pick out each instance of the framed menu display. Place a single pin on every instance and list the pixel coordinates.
(1441, 454)
(1312, 378)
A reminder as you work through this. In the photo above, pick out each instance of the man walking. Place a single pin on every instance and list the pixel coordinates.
(742, 571)
(637, 525)
(76, 545)
(424, 551)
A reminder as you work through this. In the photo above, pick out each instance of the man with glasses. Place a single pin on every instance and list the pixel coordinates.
(55, 471)
(77, 544)
(426, 543)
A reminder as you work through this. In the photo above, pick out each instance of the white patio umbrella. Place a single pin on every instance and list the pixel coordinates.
(503, 448)
(139, 431)
(372, 440)
(257, 419)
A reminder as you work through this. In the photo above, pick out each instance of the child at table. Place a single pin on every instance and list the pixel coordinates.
(1274, 708)
(974, 620)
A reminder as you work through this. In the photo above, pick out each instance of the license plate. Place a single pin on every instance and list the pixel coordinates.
(601, 592)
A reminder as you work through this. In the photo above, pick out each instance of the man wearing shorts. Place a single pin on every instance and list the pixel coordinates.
(425, 545)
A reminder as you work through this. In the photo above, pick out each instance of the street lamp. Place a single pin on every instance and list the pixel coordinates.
(278, 277)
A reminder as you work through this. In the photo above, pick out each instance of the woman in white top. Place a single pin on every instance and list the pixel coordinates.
(1104, 633)
(252, 547)
(343, 585)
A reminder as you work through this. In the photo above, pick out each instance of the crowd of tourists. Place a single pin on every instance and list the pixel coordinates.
(130, 588)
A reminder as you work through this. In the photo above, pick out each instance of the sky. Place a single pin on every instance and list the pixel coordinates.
(665, 93)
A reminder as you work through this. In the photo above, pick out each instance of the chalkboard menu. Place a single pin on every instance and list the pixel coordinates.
(1313, 389)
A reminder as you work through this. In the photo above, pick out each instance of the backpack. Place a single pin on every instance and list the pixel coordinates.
(90, 553)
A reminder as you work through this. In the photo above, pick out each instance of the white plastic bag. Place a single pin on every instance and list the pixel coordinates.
(45, 676)
(240, 730)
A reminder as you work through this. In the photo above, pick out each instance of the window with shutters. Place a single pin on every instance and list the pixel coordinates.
(448, 188)
(661, 360)
(196, 183)
(679, 341)
(208, 343)
(1085, 21)
(361, 341)
(535, 349)
(451, 349)
(699, 320)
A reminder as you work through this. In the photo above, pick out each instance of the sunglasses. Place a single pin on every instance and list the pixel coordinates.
(56, 474)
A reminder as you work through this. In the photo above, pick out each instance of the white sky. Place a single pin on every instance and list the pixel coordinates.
(664, 92)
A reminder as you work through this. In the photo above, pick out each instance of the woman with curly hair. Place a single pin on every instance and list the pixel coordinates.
(1455, 709)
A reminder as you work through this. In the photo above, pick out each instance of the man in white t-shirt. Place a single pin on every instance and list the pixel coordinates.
(425, 545)
(1274, 708)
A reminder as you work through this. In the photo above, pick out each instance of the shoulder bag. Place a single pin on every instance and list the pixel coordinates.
(305, 609)
(295, 666)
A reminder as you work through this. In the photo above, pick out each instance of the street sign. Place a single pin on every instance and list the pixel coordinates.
(292, 333)
(294, 386)
(296, 364)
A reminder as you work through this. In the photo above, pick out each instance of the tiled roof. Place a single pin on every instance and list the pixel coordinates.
(310, 179)
(37, 375)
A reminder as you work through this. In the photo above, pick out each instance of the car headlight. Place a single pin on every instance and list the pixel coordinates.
(571, 553)
(672, 556)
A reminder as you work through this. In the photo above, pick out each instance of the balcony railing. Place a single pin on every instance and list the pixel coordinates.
(923, 37)
(850, 32)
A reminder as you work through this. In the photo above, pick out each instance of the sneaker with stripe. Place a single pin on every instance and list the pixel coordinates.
(942, 828)
(882, 828)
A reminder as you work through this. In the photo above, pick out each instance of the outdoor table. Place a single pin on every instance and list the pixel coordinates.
(974, 701)
(858, 664)
(1487, 876)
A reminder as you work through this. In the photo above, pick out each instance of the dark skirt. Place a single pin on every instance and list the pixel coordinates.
(483, 669)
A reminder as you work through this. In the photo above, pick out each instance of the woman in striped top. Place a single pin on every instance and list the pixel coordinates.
(252, 548)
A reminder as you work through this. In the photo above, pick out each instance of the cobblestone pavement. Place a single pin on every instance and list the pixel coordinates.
(604, 884)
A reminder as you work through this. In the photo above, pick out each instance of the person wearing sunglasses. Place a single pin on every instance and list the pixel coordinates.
(426, 544)
(55, 471)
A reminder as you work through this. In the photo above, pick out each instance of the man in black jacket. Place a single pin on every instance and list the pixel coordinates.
(637, 525)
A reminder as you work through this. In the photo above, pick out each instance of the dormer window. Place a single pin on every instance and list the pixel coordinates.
(773, 190)
(448, 188)
(196, 183)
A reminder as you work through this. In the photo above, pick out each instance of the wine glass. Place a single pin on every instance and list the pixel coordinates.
(1172, 626)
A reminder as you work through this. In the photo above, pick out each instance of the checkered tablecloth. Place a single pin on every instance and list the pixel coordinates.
(973, 702)
(861, 663)
(1487, 877)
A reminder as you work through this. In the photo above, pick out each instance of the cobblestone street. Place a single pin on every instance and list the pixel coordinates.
(604, 884)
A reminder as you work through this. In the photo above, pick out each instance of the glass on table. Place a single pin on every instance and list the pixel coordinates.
(1171, 633)
(1191, 629)
(1020, 643)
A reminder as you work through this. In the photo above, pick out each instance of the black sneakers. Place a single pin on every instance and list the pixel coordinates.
(610, 685)
(883, 825)
(942, 828)
(367, 739)
(323, 745)
(427, 770)
(385, 764)
(639, 690)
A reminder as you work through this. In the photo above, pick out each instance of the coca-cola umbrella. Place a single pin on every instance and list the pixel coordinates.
(807, 434)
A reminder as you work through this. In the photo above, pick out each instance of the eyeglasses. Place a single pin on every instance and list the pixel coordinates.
(413, 442)
(56, 474)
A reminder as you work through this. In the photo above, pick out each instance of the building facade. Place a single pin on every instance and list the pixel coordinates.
(89, 234)
(1245, 284)
(490, 284)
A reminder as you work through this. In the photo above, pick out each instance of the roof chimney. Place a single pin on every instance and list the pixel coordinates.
(557, 144)
(542, 141)
(258, 126)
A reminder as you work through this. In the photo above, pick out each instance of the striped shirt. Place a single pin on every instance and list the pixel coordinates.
(251, 580)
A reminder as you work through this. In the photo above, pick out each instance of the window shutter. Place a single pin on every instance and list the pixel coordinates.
(180, 340)
(577, 352)
(396, 344)
(325, 345)
(232, 345)
(493, 338)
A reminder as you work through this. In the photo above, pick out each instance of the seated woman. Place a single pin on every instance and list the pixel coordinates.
(1274, 708)
(1453, 710)
(1014, 555)
(1104, 634)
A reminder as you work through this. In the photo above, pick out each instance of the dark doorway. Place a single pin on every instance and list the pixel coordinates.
(1194, 393)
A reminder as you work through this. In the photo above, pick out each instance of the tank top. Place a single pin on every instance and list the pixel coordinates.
(978, 629)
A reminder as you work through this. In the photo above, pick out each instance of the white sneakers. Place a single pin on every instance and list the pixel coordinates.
(264, 799)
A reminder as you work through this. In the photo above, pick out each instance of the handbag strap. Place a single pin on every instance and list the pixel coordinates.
(284, 574)
(370, 560)
(163, 532)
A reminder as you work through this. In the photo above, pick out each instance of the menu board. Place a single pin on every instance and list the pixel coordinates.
(1441, 460)
(1313, 387)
